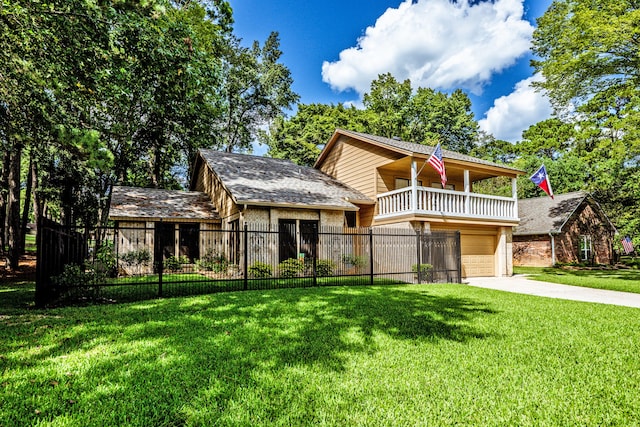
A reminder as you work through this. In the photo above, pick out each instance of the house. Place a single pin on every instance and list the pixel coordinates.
(228, 190)
(359, 180)
(570, 228)
(408, 193)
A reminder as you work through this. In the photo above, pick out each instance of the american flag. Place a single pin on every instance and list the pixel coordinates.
(438, 164)
(627, 244)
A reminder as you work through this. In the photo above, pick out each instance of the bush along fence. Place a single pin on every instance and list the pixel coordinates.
(172, 259)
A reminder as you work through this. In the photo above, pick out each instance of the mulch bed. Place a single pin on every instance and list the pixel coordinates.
(26, 270)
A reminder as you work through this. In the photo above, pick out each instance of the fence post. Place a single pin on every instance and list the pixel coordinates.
(419, 255)
(160, 253)
(459, 252)
(41, 297)
(246, 256)
(315, 254)
(371, 256)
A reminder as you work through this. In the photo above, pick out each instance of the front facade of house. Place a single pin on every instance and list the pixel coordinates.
(359, 180)
(408, 193)
(571, 228)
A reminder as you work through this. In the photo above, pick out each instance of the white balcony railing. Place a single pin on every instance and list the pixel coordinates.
(433, 201)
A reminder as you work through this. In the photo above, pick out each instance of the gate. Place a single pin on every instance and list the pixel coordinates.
(441, 249)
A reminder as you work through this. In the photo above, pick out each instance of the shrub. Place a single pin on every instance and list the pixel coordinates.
(325, 267)
(357, 261)
(260, 270)
(76, 283)
(105, 261)
(174, 263)
(421, 270)
(291, 267)
(213, 261)
(136, 259)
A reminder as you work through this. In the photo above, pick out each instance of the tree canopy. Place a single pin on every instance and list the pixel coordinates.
(97, 93)
(391, 109)
(589, 55)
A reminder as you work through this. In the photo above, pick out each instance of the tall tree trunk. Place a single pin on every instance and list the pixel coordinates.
(14, 207)
(157, 169)
(38, 203)
(27, 204)
(66, 199)
(4, 196)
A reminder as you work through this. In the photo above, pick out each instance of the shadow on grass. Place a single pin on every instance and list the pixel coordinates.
(165, 352)
(16, 296)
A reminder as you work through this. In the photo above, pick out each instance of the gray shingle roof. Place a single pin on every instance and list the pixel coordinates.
(427, 150)
(267, 181)
(543, 215)
(133, 202)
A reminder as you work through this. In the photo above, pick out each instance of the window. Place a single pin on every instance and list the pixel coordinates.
(586, 248)
(297, 238)
(405, 182)
(350, 219)
(446, 187)
(189, 236)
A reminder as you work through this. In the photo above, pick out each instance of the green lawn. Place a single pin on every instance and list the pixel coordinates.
(625, 280)
(376, 356)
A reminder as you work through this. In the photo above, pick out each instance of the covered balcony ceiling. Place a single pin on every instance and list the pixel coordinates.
(455, 170)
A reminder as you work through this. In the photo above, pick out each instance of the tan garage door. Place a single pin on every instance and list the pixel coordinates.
(478, 255)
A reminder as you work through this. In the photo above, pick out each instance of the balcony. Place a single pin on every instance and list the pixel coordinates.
(433, 202)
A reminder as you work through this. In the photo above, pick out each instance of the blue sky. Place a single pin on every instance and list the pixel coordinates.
(334, 50)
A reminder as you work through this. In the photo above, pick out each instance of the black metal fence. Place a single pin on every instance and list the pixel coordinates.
(172, 259)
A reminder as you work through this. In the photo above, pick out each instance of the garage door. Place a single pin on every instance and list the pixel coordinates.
(478, 255)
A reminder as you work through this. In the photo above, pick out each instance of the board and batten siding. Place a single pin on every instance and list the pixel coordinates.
(208, 183)
(355, 163)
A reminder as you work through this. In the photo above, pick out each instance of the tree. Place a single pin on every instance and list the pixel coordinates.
(447, 118)
(589, 56)
(496, 150)
(549, 138)
(390, 103)
(256, 89)
(391, 110)
(301, 138)
(94, 90)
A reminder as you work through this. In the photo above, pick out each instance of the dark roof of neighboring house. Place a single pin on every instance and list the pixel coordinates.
(153, 203)
(414, 148)
(271, 182)
(544, 215)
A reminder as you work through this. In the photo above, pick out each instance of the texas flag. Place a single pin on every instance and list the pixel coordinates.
(541, 179)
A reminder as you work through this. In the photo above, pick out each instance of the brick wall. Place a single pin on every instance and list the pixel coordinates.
(532, 251)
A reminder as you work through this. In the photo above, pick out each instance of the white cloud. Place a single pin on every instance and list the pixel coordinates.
(514, 113)
(435, 43)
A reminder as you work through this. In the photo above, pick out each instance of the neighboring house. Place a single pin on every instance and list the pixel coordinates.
(408, 193)
(359, 180)
(572, 227)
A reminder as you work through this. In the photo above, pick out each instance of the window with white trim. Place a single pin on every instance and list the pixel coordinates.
(586, 247)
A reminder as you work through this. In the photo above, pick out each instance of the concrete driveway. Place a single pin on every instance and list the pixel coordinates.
(520, 284)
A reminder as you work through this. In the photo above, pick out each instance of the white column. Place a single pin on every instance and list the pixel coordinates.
(514, 196)
(467, 190)
(504, 259)
(414, 185)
